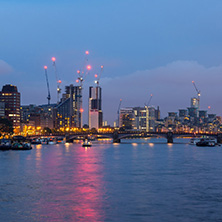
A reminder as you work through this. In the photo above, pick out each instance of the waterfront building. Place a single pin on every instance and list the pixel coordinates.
(37, 116)
(157, 113)
(95, 107)
(183, 113)
(68, 113)
(11, 98)
(2, 109)
(127, 118)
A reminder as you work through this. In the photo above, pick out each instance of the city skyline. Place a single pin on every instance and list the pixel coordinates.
(145, 47)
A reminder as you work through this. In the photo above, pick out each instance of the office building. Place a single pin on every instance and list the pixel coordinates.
(11, 98)
(2, 109)
(68, 113)
(95, 107)
(127, 118)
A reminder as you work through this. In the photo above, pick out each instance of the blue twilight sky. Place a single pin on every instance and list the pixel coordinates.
(146, 46)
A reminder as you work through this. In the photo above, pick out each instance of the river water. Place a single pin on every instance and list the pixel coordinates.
(138, 180)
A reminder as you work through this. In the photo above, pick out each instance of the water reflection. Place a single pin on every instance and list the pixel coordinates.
(73, 189)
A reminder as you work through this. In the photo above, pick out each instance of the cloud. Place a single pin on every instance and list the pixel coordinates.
(5, 68)
(171, 86)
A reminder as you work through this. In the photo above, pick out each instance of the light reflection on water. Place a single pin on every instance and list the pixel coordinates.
(148, 181)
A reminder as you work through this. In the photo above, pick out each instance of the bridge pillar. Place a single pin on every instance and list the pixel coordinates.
(169, 137)
(219, 138)
(116, 137)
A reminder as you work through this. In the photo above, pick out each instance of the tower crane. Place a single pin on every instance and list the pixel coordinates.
(118, 111)
(47, 82)
(148, 103)
(84, 70)
(81, 77)
(99, 76)
(57, 79)
(198, 94)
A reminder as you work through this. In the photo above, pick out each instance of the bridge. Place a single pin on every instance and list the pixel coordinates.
(118, 135)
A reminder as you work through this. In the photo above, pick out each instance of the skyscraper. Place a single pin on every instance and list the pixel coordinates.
(68, 113)
(95, 107)
(11, 97)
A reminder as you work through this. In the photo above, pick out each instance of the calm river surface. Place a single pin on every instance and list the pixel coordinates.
(149, 181)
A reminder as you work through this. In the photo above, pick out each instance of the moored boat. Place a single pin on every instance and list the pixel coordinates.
(5, 144)
(207, 142)
(20, 143)
(193, 141)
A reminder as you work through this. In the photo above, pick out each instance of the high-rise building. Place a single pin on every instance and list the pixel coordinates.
(68, 112)
(11, 97)
(127, 118)
(183, 113)
(95, 107)
(2, 109)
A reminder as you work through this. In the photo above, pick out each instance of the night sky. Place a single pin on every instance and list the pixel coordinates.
(146, 46)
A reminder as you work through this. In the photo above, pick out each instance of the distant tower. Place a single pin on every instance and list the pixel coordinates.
(95, 107)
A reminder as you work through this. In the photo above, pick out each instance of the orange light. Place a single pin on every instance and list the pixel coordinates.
(78, 71)
(45, 67)
(87, 52)
(59, 81)
(89, 67)
(101, 67)
(209, 107)
(81, 110)
(53, 59)
(192, 81)
(77, 80)
(96, 75)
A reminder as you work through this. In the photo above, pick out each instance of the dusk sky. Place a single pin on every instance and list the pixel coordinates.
(146, 46)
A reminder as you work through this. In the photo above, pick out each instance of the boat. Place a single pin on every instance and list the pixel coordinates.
(86, 143)
(20, 143)
(206, 142)
(52, 141)
(193, 141)
(36, 141)
(5, 144)
(60, 140)
(44, 141)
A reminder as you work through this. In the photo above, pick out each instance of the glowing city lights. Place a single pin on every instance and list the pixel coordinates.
(89, 67)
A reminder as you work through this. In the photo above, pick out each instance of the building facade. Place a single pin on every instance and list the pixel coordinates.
(95, 107)
(11, 98)
(68, 113)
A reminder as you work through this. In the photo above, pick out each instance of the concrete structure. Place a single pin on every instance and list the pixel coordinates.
(95, 107)
(11, 97)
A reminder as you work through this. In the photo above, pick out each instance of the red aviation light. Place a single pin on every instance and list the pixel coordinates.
(45, 67)
(101, 67)
(209, 107)
(78, 71)
(59, 81)
(81, 110)
(89, 67)
(96, 75)
(87, 52)
(53, 59)
(77, 80)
